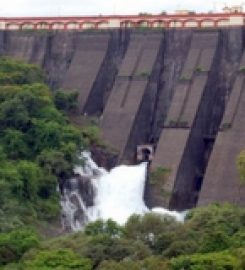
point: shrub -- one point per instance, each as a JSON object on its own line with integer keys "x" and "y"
{"x": 15, "y": 243}
{"x": 61, "y": 259}
{"x": 66, "y": 101}
{"x": 158, "y": 174}
{"x": 145, "y": 73}
{"x": 241, "y": 165}
{"x": 217, "y": 261}
{"x": 109, "y": 227}
{"x": 242, "y": 69}
{"x": 185, "y": 78}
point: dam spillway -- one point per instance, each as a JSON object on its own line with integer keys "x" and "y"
{"x": 181, "y": 91}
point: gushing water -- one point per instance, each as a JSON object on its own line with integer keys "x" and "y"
{"x": 116, "y": 195}
{"x": 120, "y": 193}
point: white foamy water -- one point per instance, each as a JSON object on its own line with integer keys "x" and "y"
{"x": 118, "y": 195}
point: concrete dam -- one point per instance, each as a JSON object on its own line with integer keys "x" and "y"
{"x": 181, "y": 92}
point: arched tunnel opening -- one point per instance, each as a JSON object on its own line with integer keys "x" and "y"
{"x": 144, "y": 153}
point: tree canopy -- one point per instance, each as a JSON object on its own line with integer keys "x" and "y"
{"x": 38, "y": 145}
{"x": 211, "y": 238}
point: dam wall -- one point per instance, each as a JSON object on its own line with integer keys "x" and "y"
{"x": 85, "y": 66}
{"x": 179, "y": 91}
{"x": 222, "y": 169}
{"x": 182, "y": 123}
{"x": 82, "y": 62}
{"x": 193, "y": 119}
{"x": 25, "y": 46}
{"x": 130, "y": 88}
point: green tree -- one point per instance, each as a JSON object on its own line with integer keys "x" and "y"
{"x": 61, "y": 259}
{"x": 54, "y": 162}
{"x": 30, "y": 175}
{"x": 149, "y": 227}
{"x": 14, "y": 144}
{"x": 103, "y": 247}
{"x": 13, "y": 114}
{"x": 109, "y": 227}
{"x": 150, "y": 263}
{"x": 66, "y": 101}
{"x": 217, "y": 261}
{"x": 18, "y": 72}
{"x": 15, "y": 243}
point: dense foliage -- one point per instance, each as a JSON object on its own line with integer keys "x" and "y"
{"x": 38, "y": 146}
{"x": 212, "y": 238}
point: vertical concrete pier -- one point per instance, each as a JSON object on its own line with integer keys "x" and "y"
{"x": 129, "y": 89}
{"x": 85, "y": 66}
{"x": 181, "y": 141}
{"x": 221, "y": 182}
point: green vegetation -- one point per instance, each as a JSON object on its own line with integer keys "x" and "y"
{"x": 145, "y": 74}
{"x": 158, "y": 174}
{"x": 66, "y": 101}
{"x": 221, "y": 260}
{"x": 199, "y": 69}
{"x": 241, "y": 166}
{"x": 185, "y": 78}
{"x": 157, "y": 178}
{"x": 15, "y": 243}
{"x": 60, "y": 259}
{"x": 226, "y": 126}
{"x": 38, "y": 145}
{"x": 211, "y": 238}
{"x": 242, "y": 69}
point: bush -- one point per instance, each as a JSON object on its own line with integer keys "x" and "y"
{"x": 61, "y": 259}
{"x": 66, "y": 101}
{"x": 188, "y": 245}
{"x": 217, "y": 261}
{"x": 103, "y": 247}
{"x": 149, "y": 228}
{"x": 17, "y": 72}
{"x": 91, "y": 135}
{"x": 109, "y": 227}
{"x": 151, "y": 263}
{"x": 15, "y": 243}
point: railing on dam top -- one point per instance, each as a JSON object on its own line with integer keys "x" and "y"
{"x": 108, "y": 22}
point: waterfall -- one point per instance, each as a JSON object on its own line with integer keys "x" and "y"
{"x": 98, "y": 194}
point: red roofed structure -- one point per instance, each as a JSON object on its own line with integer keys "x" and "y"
{"x": 183, "y": 19}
